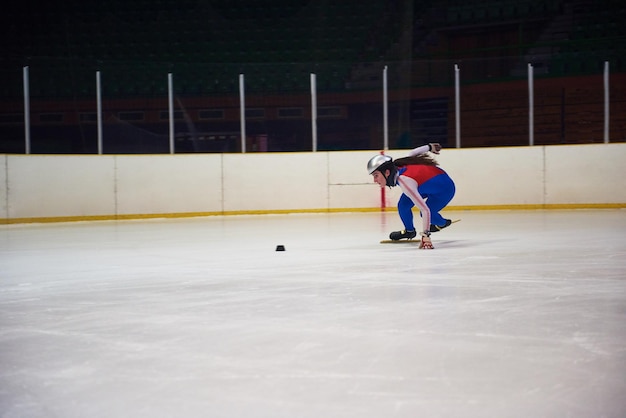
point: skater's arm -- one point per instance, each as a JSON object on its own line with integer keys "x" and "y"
{"x": 432, "y": 147}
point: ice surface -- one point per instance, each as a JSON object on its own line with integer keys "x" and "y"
{"x": 514, "y": 314}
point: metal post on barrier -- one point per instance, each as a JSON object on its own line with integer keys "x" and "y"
{"x": 170, "y": 102}
{"x": 99, "y": 111}
{"x": 242, "y": 112}
{"x": 313, "y": 112}
{"x": 26, "y": 110}
{"x": 531, "y": 107}
{"x": 606, "y": 102}
{"x": 385, "y": 111}
{"x": 457, "y": 105}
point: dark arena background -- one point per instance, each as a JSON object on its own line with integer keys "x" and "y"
{"x": 140, "y": 64}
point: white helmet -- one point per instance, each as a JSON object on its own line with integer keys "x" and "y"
{"x": 378, "y": 161}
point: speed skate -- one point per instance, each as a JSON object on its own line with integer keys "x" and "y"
{"x": 408, "y": 241}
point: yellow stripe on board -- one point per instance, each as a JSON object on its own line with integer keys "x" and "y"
{"x": 561, "y": 206}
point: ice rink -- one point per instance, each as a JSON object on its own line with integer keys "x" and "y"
{"x": 513, "y": 314}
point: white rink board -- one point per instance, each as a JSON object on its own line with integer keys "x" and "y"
{"x": 154, "y": 184}
{"x": 55, "y": 186}
{"x": 38, "y": 186}
{"x": 349, "y": 167}
{"x": 586, "y": 174}
{"x": 283, "y": 181}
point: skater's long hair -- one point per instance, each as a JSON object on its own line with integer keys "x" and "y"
{"x": 422, "y": 159}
